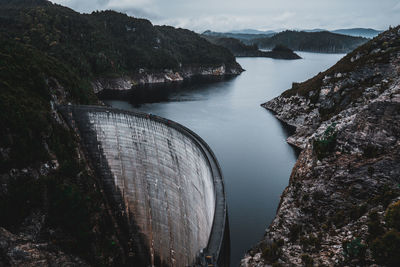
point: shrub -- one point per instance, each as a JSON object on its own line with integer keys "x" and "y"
{"x": 386, "y": 196}
{"x": 311, "y": 241}
{"x": 371, "y": 170}
{"x": 392, "y": 216}
{"x": 68, "y": 208}
{"x": 24, "y": 194}
{"x": 357, "y": 211}
{"x": 339, "y": 218}
{"x": 318, "y": 195}
{"x": 326, "y": 144}
{"x": 307, "y": 260}
{"x": 271, "y": 253}
{"x": 386, "y": 249}
{"x": 354, "y": 249}
{"x": 295, "y": 231}
{"x": 375, "y": 228}
{"x": 371, "y": 151}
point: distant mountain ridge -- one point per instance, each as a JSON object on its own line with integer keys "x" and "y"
{"x": 359, "y": 32}
{"x": 248, "y": 34}
{"x": 356, "y": 32}
{"x": 309, "y": 41}
{"x": 252, "y": 31}
{"x": 239, "y": 49}
{"x": 320, "y": 42}
{"x": 244, "y": 37}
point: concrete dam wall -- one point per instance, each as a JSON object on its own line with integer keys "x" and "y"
{"x": 164, "y": 182}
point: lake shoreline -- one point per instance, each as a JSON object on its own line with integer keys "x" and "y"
{"x": 168, "y": 76}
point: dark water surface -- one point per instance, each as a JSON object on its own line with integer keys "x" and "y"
{"x": 248, "y": 141}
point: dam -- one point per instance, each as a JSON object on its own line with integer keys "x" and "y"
{"x": 163, "y": 181}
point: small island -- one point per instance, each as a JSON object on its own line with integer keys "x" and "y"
{"x": 239, "y": 49}
{"x": 281, "y": 52}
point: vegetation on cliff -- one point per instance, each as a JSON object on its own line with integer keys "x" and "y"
{"x": 379, "y": 51}
{"x": 342, "y": 203}
{"x": 48, "y": 195}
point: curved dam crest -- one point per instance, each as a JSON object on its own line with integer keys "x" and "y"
{"x": 164, "y": 182}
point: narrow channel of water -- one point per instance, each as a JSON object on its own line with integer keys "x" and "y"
{"x": 248, "y": 141}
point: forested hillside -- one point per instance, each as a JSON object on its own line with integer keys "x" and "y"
{"x": 105, "y": 42}
{"x": 240, "y": 49}
{"x": 322, "y": 42}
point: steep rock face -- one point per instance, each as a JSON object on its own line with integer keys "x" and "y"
{"x": 167, "y": 76}
{"x": 23, "y": 250}
{"x": 337, "y": 209}
{"x": 53, "y": 208}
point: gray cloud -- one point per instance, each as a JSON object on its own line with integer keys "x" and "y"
{"x": 140, "y": 13}
{"x": 225, "y": 15}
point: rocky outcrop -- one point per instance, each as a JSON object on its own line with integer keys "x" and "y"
{"x": 26, "y": 250}
{"x": 144, "y": 77}
{"x": 344, "y": 189}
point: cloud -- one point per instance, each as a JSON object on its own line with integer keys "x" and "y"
{"x": 118, "y": 4}
{"x": 225, "y": 15}
{"x": 139, "y": 13}
{"x": 284, "y": 16}
{"x": 83, "y": 6}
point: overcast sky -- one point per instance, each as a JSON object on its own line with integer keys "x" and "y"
{"x": 226, "y": 15}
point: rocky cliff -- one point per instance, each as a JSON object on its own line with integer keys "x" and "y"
{"x": 342, "y": 204}
{"x": 146, "y": 77}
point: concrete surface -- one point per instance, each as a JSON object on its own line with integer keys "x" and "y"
{"x": 163, "y": 178}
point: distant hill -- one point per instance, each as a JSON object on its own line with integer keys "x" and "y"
{"x": 240, "y": 49}
{"x": 252, "y": 31}
{"x": 321, "y": 42}
{"x": 314, "y": 30}
{"x": 244, "y": 37}
{"x": 251, "y": 36}
{"x": 358, "y": 32}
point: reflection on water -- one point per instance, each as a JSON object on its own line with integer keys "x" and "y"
{"x": 190, "y": 90}
{"x": 249, "y": 142}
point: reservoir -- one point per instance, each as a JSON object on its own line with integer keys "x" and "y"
{"x": 249, "y": 142}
